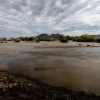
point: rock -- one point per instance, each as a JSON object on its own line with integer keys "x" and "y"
{"x": 17, "y": 87}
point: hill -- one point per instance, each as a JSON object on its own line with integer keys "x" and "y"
{"x": 49, "y": 36}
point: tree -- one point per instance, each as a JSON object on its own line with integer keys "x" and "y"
{"x": 86, "y": 38}
{"x": 4, "y": 39}
{"x": 31, "y": 39}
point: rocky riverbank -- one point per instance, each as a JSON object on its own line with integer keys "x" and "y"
{"x": 18, "y": 87}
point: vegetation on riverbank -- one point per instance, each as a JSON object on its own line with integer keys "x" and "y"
{"x": 55, "y": 37}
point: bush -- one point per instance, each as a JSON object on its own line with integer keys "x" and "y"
{"x": 86, "y": 39}
{"x": 1, "y": 40}
{"x": 98, "y": 40}
{"x": 17, "y": 40}
{"x": 63, "y": 40}
{"x": 37, "y": 40}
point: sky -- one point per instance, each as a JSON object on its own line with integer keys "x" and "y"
{"x": 33, "y": 17}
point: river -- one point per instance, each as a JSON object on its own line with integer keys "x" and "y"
{"x": 77, "y": 69}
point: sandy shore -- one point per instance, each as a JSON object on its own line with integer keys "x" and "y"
{"x": 18, "y": 87}
{"x": 63, "y": 46}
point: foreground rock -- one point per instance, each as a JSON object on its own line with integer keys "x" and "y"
{"x": 17, "y": 87}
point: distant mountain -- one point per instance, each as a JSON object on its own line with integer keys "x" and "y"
{"x": 49, "y": 36}
{"x": 43, "y": 35}
{"x": 55, "y": 35}
{"x": 98, "y": 35}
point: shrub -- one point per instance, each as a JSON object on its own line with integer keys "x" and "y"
{"x": 63, "y": 40}
{"x": 17, "y": 40}
{"x": 98, "y": 40}
{"x": 37, "y": 40}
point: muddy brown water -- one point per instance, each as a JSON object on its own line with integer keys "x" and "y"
{"x": 76, "y": 69}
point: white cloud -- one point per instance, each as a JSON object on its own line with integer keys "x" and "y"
{"x": 31, "y": 17}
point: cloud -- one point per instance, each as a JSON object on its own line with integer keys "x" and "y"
{"x": 31, "y": 17}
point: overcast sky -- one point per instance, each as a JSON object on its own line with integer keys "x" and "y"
{"x": 32, "y": 17}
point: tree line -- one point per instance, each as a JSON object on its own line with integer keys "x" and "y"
{"x": 55, "y": 37}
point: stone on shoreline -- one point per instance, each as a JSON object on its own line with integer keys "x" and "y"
{"x": 18, "y": 87}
